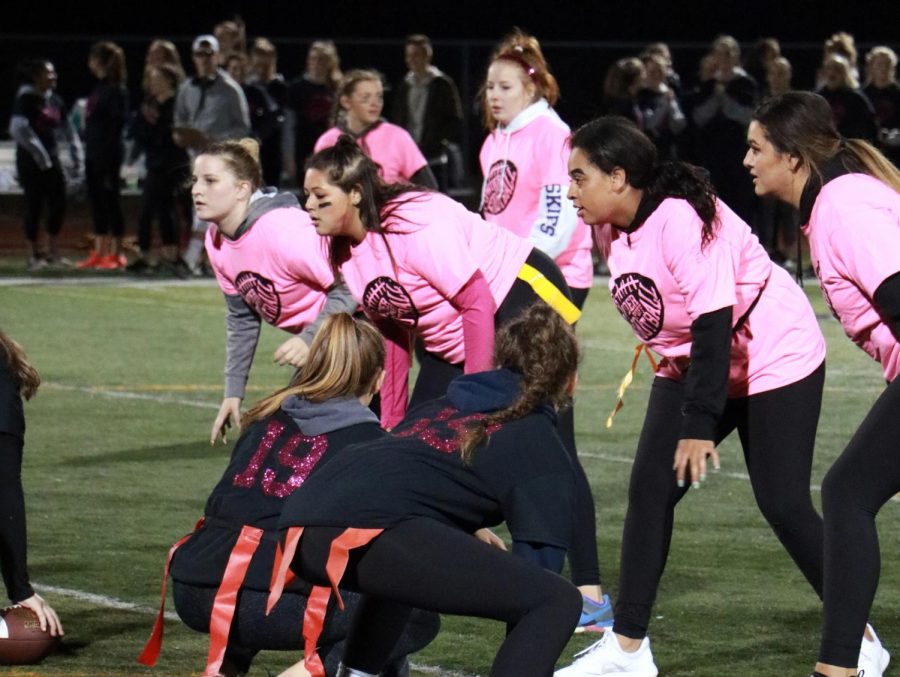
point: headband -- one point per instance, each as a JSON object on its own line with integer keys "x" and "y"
{"x": 515, "y": 55}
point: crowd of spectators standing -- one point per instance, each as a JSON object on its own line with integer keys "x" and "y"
{"x": 233, "y": 88}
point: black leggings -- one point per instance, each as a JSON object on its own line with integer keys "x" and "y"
{"x": 435, "y": 375}
{"x": 777, "y": 431}
{"x": 425, "y": 564}
{"x": 102, "y": 178}
{"x": 158, "y": 202}
{"x": 862, "y": 480}
{"x": 42, "y": 187}
{"x": 253, "y": 631}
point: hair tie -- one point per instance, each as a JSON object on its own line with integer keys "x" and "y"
{"x": 517, "y": 56}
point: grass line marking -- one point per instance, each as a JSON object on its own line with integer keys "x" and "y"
{"x": 120, "y": 604}
{"x": 102, "y": 600}
{"x": 127, "y": 395}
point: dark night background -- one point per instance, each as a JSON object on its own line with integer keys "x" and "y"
{"x": 580, "y": 38}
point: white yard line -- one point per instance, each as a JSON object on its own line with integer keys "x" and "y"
{"x": 113, "y": 603}
{"x": 102, "y": 600}
{"x": 126, "y": 395}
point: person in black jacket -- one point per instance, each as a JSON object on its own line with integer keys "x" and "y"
{"x": 167, "y": 168}
{"x": 853, "y": 114}
{"x": 286, "y": 437}
{"x": 38, "y": 117}
{"x": 427, "y": 105}
{"x": 18, "y": 379}
{"x": 107, "y": 109}
{"x": 487, "y": 452}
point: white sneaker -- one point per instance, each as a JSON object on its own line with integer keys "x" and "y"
{"x": 873, "y": 657}
{"x": 606, "y": 657}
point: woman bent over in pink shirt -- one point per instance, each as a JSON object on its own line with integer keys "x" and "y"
{"x": 847, "y": 194}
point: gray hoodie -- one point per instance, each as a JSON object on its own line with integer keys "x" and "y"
{"x": 242, "y": 323}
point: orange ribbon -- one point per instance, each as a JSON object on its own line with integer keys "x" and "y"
{"x": 629, "y": 377}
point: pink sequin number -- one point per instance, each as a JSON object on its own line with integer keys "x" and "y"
{"x": 299, "y": 453}
{"x": 438, "y": 439}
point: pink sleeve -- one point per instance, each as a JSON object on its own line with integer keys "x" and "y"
{"x": 704, "y": 274}
{"x": 395, "y": 389}
{"x": 214, "y": 254}
{"x": 476, "y": 305}
{"x": 868, "y": 248}
{"x": 304, "y": 254}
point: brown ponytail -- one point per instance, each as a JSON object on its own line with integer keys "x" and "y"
{"x": 25, "y": 376}
{"x": 541, "y": 346}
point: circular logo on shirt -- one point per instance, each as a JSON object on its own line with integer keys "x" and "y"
{"x": 385, "y": 297}
{"x": 260, "y": 294}
{"x": 639, "y": 301}
{"x": 500, "y": 186}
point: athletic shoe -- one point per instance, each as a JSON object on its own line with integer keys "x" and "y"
{"x": 595, "y": 616}
{"x": 111, "y": 262}
{"x": 607, "y": 658}
{"x": 91, "y": 261}
{"x": 35, "y": 263}
{"x": 59, "y": 262}
{"x": 873, "y": 657}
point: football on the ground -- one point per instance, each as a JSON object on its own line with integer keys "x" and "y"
{"x": 21, "y": 639}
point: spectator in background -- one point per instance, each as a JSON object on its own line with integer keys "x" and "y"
{"x": 853, "y": 113}
{"x": 167, "y": 170}
{"x": 427, "y": 105}
{"x": 232, "y": 37}
{"x": 620, "y": 88}
{"x": 39, "y": 116}
{"x": 209, "y": 107}
{"x": 268, "y": 121}
{"x": 721, "y": 113}
{"x": 162, "y": 52}
{"x": 658, "y": 104}
{"x": 661, "y": 49}
{"x": 105, "y": 116}
{"x": 759, "y": 61}
{"x": 360, "y": 100}
{"x": 310, "y": 100}
{"x": 884, "y": 94}
{"x": 778, "y": 76}
{"x": 843, "y": 45}
{"x": 690, "y": 143}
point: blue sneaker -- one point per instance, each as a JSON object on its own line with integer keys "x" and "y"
{"x": 595, "y": 616}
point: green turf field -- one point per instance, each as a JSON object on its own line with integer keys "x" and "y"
{"x": 118, "y": 466}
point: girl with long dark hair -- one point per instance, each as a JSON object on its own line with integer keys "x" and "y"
{"x": 739, "y": 344}
{"x": 847, "y": 195}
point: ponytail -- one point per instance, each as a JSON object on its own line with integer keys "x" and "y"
{"x": 345, "y": 359}
{"x": 541, "y": 347}
{"x": 692, "y": 184}
{"x": 26, "y": 377}
{"x": 614, "y": 141}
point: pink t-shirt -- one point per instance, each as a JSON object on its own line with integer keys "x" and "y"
{"x": 279, "y": 267}
{"x": 436, "y": 245}
{"x": 854, "y": 241}
{"x": 389, "y": 146}
{"x": 661, "y": 280}
{"x": 517, "y": 165}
